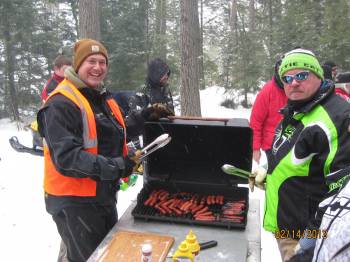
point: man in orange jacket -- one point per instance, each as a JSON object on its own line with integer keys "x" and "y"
{"x": 84, "y": 151}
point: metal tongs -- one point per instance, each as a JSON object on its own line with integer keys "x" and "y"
{"x": 157, "y": 143}
{"x": 235, "y": 171}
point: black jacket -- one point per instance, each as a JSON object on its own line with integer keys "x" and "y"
{"x": 311, "y": 142}
{"x": 153, "y": 92}
{"x": 60, "y": 123}
{"x": 122, "y": 98}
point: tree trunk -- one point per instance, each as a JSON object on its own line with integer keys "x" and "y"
{"x": 190, "y": 99}
{"x": 232, "y": 43}
{"x": 233, "y": 16}
{"x": 10, "y": 64}
{"x": 89, "y": 19}
{"x": 200, "y": 53}
{"x": 251, "y": 16}
{"x": 147, "y": 30}
{"x": 271, "y": 29}
{"x": 73, "y": 6}
{"x": 161, "y": 28}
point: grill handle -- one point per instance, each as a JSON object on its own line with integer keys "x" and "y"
{"x": 209, "y": 244}
{"x": 199, "y": 118}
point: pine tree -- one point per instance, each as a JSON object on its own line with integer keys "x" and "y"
{"x": 124, "y": 32}
{"x": 335, "y": 43}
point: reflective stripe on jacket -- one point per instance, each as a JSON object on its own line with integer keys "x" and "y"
{"x": 54, "y": 182}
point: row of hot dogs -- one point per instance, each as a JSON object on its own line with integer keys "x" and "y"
{"x": 195, "y": 206}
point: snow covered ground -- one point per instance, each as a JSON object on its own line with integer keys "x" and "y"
{"x": 27, "y": 232}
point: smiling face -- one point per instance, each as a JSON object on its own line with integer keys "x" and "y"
{"x": 301, "y": 90}
{"x": 93, "y": 70}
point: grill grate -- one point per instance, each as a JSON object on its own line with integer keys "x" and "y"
{"x": 161, "y": 204}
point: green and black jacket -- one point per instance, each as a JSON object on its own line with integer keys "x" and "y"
{"x": 311, "y": 141}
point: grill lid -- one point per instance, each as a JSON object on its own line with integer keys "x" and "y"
{"x": 197, "y": 151}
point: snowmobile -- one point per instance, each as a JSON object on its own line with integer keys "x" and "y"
{"x": 37, "y": 148}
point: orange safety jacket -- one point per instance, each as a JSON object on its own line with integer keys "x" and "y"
{"x": 54, "y": 182}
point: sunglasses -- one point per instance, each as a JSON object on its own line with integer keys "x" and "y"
{"x": 301, "y": 76}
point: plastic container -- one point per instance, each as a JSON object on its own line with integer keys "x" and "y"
{"x": 146, "y": 250}
{"x": 192, "y": 243}
{"x": 183, "y": 253}
{"x": 127, "y": 182}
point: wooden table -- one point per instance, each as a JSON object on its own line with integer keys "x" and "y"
{"x": 233, "y": 245}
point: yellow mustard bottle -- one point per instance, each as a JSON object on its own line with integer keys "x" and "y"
{"x": 192, "y": 243}
{"x": 183, "y": 253}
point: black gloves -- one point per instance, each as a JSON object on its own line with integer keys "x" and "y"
{"x": 109, "y": 168}
{"x": 129, "y": 165}
{"x": 156, "y": 111}
{"x": 132, "y": 163}
{"x": 115, "y": 168}
{"x": 146, "y": 112}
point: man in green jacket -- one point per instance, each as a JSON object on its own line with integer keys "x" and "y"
{"x": 310, "y": 142}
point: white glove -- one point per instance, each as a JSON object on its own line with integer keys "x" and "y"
{"x": 258, "y": 179}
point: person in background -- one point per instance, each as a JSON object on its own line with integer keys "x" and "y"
{"x": 334, "y": 68}
{"x": 85, "y": 152}
{"x": 342, "y": 86}
{"x": 265, "y": 114}
{"x": 327, "y": 237}
{"x": 327, "y": 72}
{"x": 60, "y": 64}
{"x": 153, "y": 101}
{"x": 311, "y": 142}
{"x": 334, "y": 245}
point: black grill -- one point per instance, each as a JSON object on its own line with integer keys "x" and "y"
{"x": 191, "y": 165}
